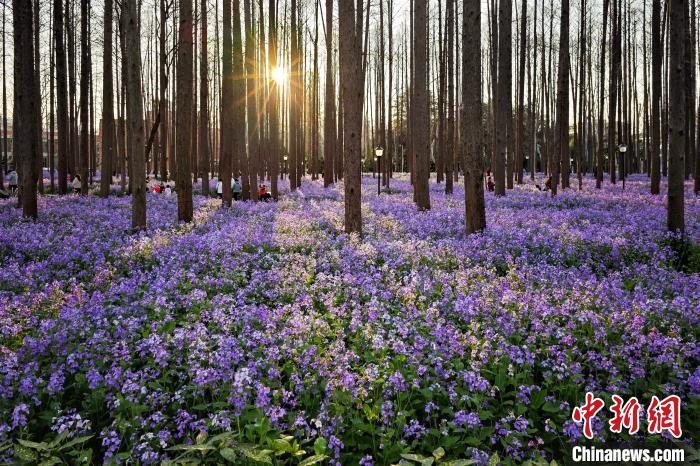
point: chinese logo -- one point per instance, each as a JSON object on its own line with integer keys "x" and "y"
{"x": 662, "y": 415}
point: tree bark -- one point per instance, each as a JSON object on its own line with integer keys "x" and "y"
{"x": 561, "y": 158}
{"x": 107, "y": 103}
{"x": 204, "y": 104}
{"x": 656, "y": 65}
{"x": 227, "y": 105}
{"x": 25, "y": 104}
{"x": 676, "y": 118}
{"x": 329, "y": 124}
{"x": 504, "y": 107}
{"x": 421, "y": 106}
{"x": 352, "y": 84}
{"x": 471, "y": 119}
{"x": 184, "y": 113}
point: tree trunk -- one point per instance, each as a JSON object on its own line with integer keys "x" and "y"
{"x": 561, "y": 157}
{"x": 450, "y": 114}
{"x": 504, "y": 108}
{"x": 204, "y": 105}
{"x": 107, "y": 104}
{"x": 421, "y": 106}
{"x": 25, "y": 104}
{"x": 227, "y": 108}
{"x": 520, "y": 137}
{"x": 184, "y": 113}
{"x": 329, "y": 124}
{"x": 272, "y": 104}
{"x": 162, "y": 100}
{"x": 134, "y": 113}
{"x": 471, "y": 119}
{"x": 656, "y": 65}
{"x": 676, "y": 118}
{"x": 238, "y": 136}
{"x": 84, "y": 95}
{"x": 61, "y": 98}
{"x": 352, "y": 84}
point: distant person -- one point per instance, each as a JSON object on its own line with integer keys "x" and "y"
{"x": 237, "y": 189}
{"x": 219, "y": 189}
{"x": 548, "y": 183}
{"x": 76, "y": 184}
{"x": 12, "y": 181}
{"x": 490, "y": 185}
{"x": 263, "y": 195}
{"x": 168, "y": 190}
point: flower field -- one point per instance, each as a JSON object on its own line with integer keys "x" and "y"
{"x": 265, "y": 335}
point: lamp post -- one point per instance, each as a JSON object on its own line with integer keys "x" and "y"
{"x": 623, "y": 169}
{"x": 379, "y": 151}
{"x": 284, "y": 169}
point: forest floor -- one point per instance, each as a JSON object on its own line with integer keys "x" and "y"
{"x": 264, "y": 334}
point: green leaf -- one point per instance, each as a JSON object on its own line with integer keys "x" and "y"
{"x": 257, "y": 456}
{"x": 320, "y": 446}
{"x": 201, "y": 438}
{"x": 313, "y": 460}
{"x": 413, "y": 457}
{"x": 25, "y": 453}
{"x": 281, "y": 445}
{"x": 33, "y": 445}
{"x": 228, "y": 454}
{"x": 495, "y": 460}
{"x": 438, "y": 453}
{"x": 76, "y": 441}
{"x": 458, "y": 463}
{"x": 51, "y": 461}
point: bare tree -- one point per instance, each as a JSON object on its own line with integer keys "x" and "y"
{"x": 329, "y": 123}
{"x": 272, "y": 104}
{"x": 84, "y": 95}
{"x": 561, "y": 158}
{"x": 184, "y": 113}
{"x": 421, "y": 106}
{"x": 504, "y": 109}
{"x": 227, "y": 105}
{"x": 676, "y": 118}
{"x": 107, "y": 103}
{"x": 656, "y": 65}
{"x": 61, "y": 98}
{"x": 471, "y": 120}
{"x": 351, "y": 67}
{"x": 204, "y": 105}
{"x": 25, "y": 104}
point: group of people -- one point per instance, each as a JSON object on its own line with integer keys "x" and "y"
{"x": 237, "y": 190}
{"x": 491, "y": 186}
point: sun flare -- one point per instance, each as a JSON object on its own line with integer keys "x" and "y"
{"x": 280, "y": 75}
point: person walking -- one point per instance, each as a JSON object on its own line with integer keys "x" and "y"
{"x": 237, "y": 189}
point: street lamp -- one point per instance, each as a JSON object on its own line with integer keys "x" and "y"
{"x": 623, "y": 148}
{"x": 284, "y": 171}
{"x": 379, "y": 151}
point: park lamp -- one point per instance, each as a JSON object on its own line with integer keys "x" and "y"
{"x": 285, "y": 158}
{"x": 622, "y": 148}
{"x": 379, "y": 151}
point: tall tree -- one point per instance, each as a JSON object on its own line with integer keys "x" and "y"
{"x": 227, "y": 105}
{"x": 421, "y": 106}
{"x": 249, "y": 160}
{"x": 350, "y": 40}
{"x": 656, "y": 65}
{"x": 238, "y": 94}
{"x": 601, "y": 85}
{"x": 561, "y": 158}
{"x": 61, "y": 97}
{"x": 503, "y": 98}
{"x": 329, "y": 120}
{"x": 676, "y": 115}
{"x": 184, "y": 113}
{"x": 84, "y": 96}
{"x": 272, "y": 103}
{"x": 25, "y": 104}
{"x": 520, "y": 136}
{"x": 162, "y": 99}
{"x": 134, "y": 113}
{"x": 450, "y": 114}
{"x": 107, "y": 103}
{"x": 204, "y": 104}
{"x": 471, "y": 118}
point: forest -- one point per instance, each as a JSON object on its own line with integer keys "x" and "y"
{"x": 374, "y": 232}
